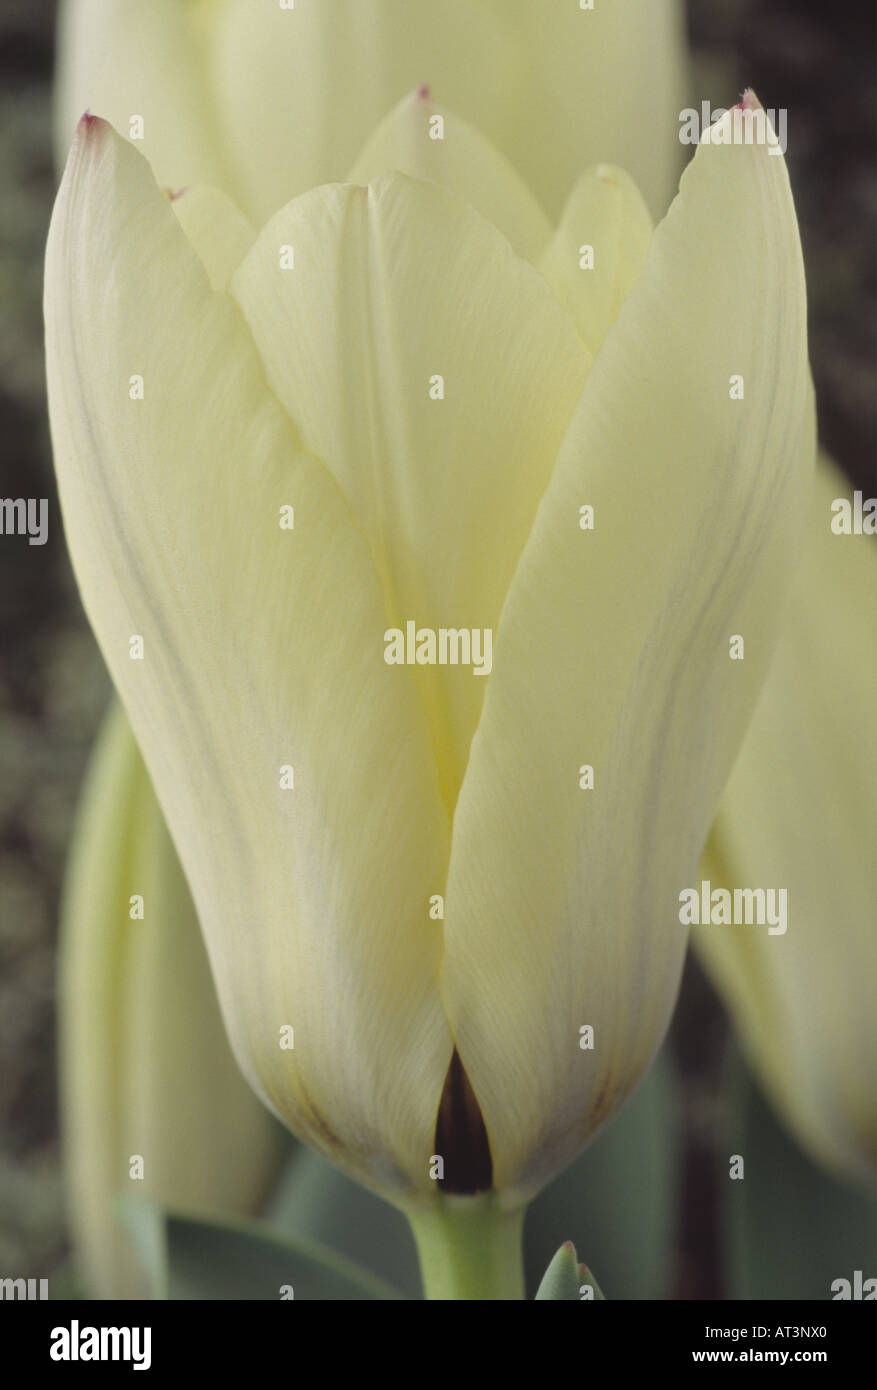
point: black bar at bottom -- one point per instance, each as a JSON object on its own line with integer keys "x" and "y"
{"x": 266, "y": 1339}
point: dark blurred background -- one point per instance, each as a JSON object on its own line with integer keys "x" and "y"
{"x": 816, "y": 60}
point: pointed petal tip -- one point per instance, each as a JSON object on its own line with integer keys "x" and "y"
{"x": 424, "y": 92}
{"x": 90, "y": 134}
{"x": 89, "y": 126}
{"x": 748, "y": 102}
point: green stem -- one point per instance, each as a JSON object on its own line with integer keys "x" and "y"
{"x": 470, "y": 1248}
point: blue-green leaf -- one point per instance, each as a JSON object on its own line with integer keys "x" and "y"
{"x": 235, "y": 1258}
{"x": 315, "y": 1201}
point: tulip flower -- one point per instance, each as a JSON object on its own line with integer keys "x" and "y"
{"x": 153, "y": 1102}
{"x": 440, "y": 910}
{"x": 799, "y": 811}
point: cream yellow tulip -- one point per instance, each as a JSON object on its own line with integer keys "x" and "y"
{"x": 276, "y": 448}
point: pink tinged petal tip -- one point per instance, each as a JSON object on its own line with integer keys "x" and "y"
{"x": 748, "y": 102}
{"x": 423, "y": 91}
{"x": 91, "y": 127}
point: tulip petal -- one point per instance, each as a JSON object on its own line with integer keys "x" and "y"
{"x": 803, "y": 999}
{"x": 458, "y": 157}
{"x": 613, "y": 651}
{"x": 216, "y": 229}
{"x": 597, "y": 253}
{"x": 261, "y": 653}
{"x": 395, "y": 288}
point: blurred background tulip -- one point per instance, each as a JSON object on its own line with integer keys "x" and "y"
{"x": 266, "y": 103}
{"x": 800, "y": 811}
{"x": 154, "y": 1105}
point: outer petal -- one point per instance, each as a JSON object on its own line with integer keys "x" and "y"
{"x": 613, "y": 651}
{"x": 800, "y": 813}
{"x": 607, "y": 217}
{"x": 287, "y": 94}
{"x": 458, "y": 157}
{"x": 393, "y": 287}
{"x": 145, "y": 1063}
{"x": 259, "y": 653}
